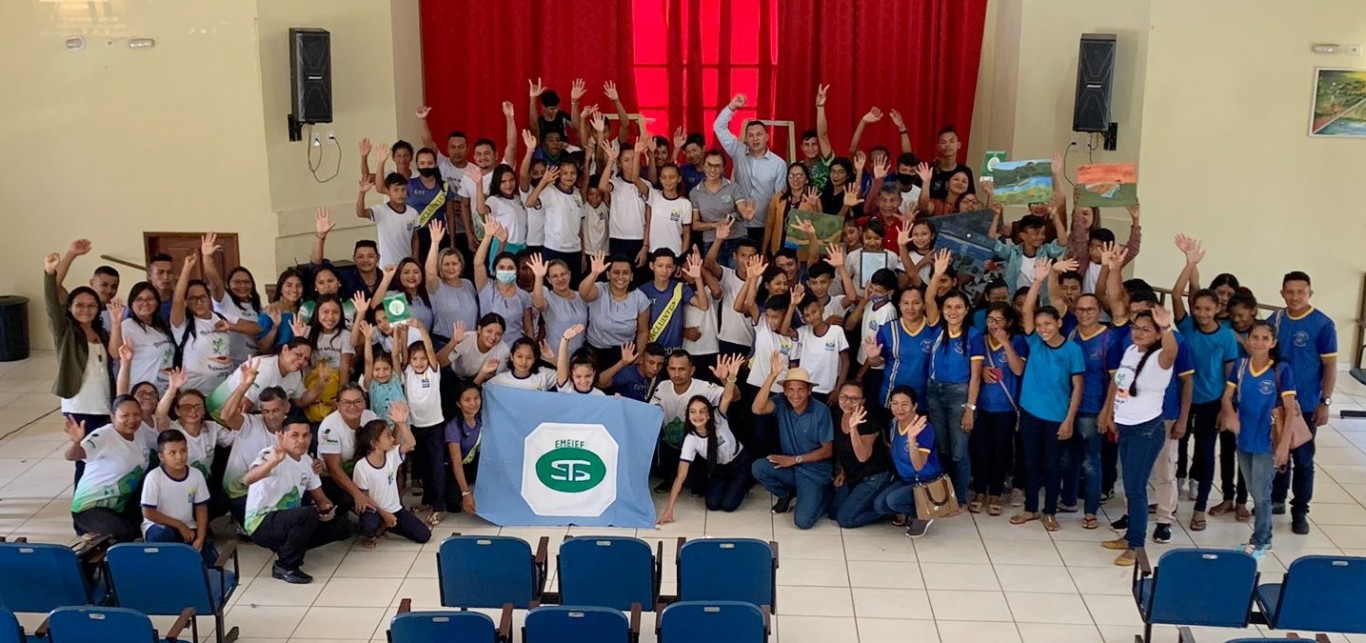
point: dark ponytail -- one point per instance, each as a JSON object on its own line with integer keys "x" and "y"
{"x": 1147, "y": 352}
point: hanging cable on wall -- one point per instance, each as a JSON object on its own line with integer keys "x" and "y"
{"x": 313, "y": 167}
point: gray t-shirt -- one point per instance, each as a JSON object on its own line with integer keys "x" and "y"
{"x": 560, "y": 314}
{"x": 612, "y": 323}
{"x": 468, "y": 359}
{"x": 714, "y": 207}
{"x": 491, "y": 300}
{"x": 451, "y": 304}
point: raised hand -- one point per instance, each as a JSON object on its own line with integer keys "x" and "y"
{"x": 437, "y": 229}
{"x": 609, "y": 89}
{"x": 1133, "y": 212}
{"x": 508, "y": 110}
{"x": 821, "y": 94}
{"x": 125, "y": 352}
{"x": 423, "y": 111}
{"x": 177, "y": 379}
{"x": 365, "y": 329}
{"x": 882, "y": 169}
{"x": 942, "y": 257}
{"x": 458, "y": 332}
{"x": 551, "y": 173}
{"x": 925, "y": 173}
{"x": 747, "y": 208}
{"x": 1064, "y": 265}
{"x": 398, "y": 412}
{"x": 693, "y": 269}
{"x": 680, "y": 137}
{"x": 834, "y": 255}
{"x": 322, "y": 222}
{"x": 79, "y": 248}
{"x": 537, "y": 265}
{"x": 1162, "y": 317}
{"x": 858, "y": 416}
{"x": 806, "y": 227}
{"x": 599, "y": 263}
{"x": 798, "y": 293}
{"x": 360, "y": 303}
{"x": 860, "y": 160}
{"x": 897, "y": 120}
{"x": 528, "y": 139}
{"x": 577, "y": 89}
{"x": 366, "y": 184}
{"x": 724, "y": 227}
{"x": 250, "y": 369}
{"x": 599, "y": 124}
{"x": 298, "y": 327}
{"x": 190, "y": 262}
{"x": 492, "y": 227}
{"x": 1041, "y": 269}
{"x": 628, "y": 352}
{"x": 903, "y": 236}
{"x": 572, "y": 331}
{"x": 381, "y": 154}
{"x": 274, "y": 313}
{"x": 851, "y": 198}
{"x": 737, "y": 102}
{"x": 777, "y": 363}
{"x": 535, "y": 87}
{"x": 756, "y": 266}
{"x": 75, "y": 431}
{"x": 612, "y": 150}
{"x": 365, "y": 148}
{"x": 874, "y": 115}
{"x": 116, "y": 310}
{"x": 871, "y": 347}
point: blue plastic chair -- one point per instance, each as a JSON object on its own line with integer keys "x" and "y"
{"x": 1204, "y": 587}
{"x": 610, "y": 571}
{"x": 10, "y": 629}
{"x": 1184, "y": 635}
{"x": 729, "y": 569}
{"x": 1318, "y": 594}
{"x": 447, "y": 626}
{"x": 109, "y": 625}
{"x": 712, "y": 621}
{"x": 162, "y": 579}
{"x": 567, "y": 624}
{"x": 491, "y": 571}
{"x": 62, "y": 584}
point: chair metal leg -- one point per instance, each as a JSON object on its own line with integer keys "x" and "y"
{"x": 222, "y": 637}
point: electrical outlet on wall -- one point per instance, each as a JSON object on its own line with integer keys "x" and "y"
{"x": 317, "y": 142}
{"x": 331, "y": 136}
{"x": 1353, "y": 50}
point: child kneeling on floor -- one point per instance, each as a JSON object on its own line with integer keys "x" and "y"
{"x": 380, "y": 451}
{"x": 175, "y": 499}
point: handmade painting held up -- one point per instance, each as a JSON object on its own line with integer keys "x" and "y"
{"x": 1339, "y": 103}
{"x": 1022, "y": 182}
{"x": 1106, "y": 184}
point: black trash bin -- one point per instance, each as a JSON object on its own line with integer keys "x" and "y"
{"x": 13, "y": 328}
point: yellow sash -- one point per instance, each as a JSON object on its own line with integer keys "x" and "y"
{"x": 667, "y": 315}
{"x": 435, "y": 206}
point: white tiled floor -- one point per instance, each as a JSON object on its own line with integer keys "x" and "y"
{"x": 972, "y": 578}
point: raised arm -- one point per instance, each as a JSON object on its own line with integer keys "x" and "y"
{"x": 208, "y": 247}
{"x": 562, "y": 372}
{"x": 510, "y": 135}
{"x": 363, "y": 212}
{"x": 609, "y": 89}
{"x": 427, "y": 140}
{"x": 429, "y": 266}
{"x": 693, "y": 271}
{"x": 538, "y": 270}
{"x": 902, "y": 132}
{"x": 1194, "y": 254}
{"x": 822, "y": 128}
{"x": 481, "y": 256}
{"x": 588, "y": 288}
{"x": 941, "y": 267}
{"x": 524, "y": 170}
{"x": 1042, "y": 267}
{"x": 533, "y": 200}
{"x": 776, "y": 365}
{"x": 1163, "y": 319}
{"x": 628, "y": 357}
{"x": 78, "y": 248}
{"x": 1114, "y": 262}
{"x": 1055, "y": 297}
{"x": 535, "y": 89}
{"x": 1135, "y": 232}
{"x": 162, "y": 419}
{"x": 181, "y": 285}
{"x": 231, "y": 413}
{"x": 721, "y": 128}
{"x": 923, "y": 203}
{"x": 874, "y": 115}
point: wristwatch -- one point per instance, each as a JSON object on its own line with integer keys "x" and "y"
{"x": 1326, "y": 401}
{"x": 800, "y": 459}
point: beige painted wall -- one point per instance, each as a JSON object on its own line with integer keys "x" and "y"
{"x": 1226, "y": 156}
{"x": 188, "y": 135}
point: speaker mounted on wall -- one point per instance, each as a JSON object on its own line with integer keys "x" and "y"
{"x": 1095, "y": 84}
{"x": 310, "y": 79}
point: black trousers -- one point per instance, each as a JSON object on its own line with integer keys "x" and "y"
{"x": 989, "y": 444}
{"x": 409, "y": 525}
{"x": 290, "y": 533}
{"x": 124, "y": 527}
{"x": 430, "y": 452}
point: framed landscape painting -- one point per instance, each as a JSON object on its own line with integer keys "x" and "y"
{"x": 1339, "y": 103}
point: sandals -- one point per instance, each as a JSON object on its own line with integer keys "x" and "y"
{"x": 1242, "y": 514}
{"x": 369, "y": 543}
{"x": 994, "y": 506}
{"x": 1090, "y": 522}
{"x": 899, "y": 520}
{"x": 1023, "y": 517}
{"x": 1197, "y": 524}
{"x": 1050, "y": 522}
{"x": 434, "y": 520}
{"x": 975, "y": 506}
{"x": 1221, "y": 508}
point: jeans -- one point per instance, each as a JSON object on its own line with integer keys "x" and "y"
{"x": 1259, "y": 470}
{"x": 1042, "y": 454}
{"x": 991, "y": 453}
{"x": 1109, "y": 463}
{"x": 290, "y": 533}
{"x": 898, "y": 497}
{"x": 1204, "y": 419}
{"x": 409, "y": 525}
{"x": 1081, "y": 464}
{"x": 946, "y": 416}
{"x": 1139, "y": 446}
{"x": 854, "y": 505}
{"x": 812, "y": 488}
{"x": 728, "y": 485}
{"x": 1232, "y": 482}
{"x": 164, "y": 534}
{"x": 1301, "y": 470}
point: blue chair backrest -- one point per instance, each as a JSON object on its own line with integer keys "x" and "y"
{"x": 607, "y": 571}
{"x": 100, "y": 625}
{"x": 726, "y": 569}
{"x": 10, "y": 630}
{"x": 160, "y": 578}
{"x": 711, "y": 621}
{"x": 62, "y": 583}
{"x": 566, "y": 624}
{"x": 1324, "y": 594}
{"x": 485, "y": 571}
{"x": 1210, "y": 588}
{"x": 438, "y": 627}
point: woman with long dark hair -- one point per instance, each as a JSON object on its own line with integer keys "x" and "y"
{"x": 955, "y": 378}
{"x": 798, "y": 194}
{"x": 1001, "y": 353}
{"x": 201, "y": 334}
{"x": 723, "y": 475}
{"x": 148, "y": 335}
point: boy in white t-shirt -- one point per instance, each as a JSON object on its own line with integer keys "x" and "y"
{"x": 594, "y": 215}
{"x": 175, "y": 499}
{"x": 822, "y": 349}
{"x": 668, "y": 223}
{"x": 394, "y": 219}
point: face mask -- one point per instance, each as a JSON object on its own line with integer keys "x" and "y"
{"x": 878, "y": 301}
{"x": 428, "y": 172}
{"x": 905, "y": 179}
{"x": 506, "y": 276}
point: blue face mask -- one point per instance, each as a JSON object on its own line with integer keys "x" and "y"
{"x": 878, "y": 301}
{"x": 506, "y": 276}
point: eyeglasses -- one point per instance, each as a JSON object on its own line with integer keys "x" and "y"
{"x": 190, "y": 407}
{"x": 351, "y": 402}
{"x": 714, "y": 166}
{"x": 196, "y": 299}
{"x": 851, "y": 398}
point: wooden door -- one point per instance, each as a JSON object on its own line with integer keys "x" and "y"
{"x": 183, "y": 244}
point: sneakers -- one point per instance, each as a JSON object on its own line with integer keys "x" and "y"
{"x": 292, "y": 576}
{"x": 1017, "y": 498}
{"x": 782, "y": 505}
{"x": 1257, "y": 551}
{"x": 1194, "y": 491}
{"x": 1067, "y": 509}
{"x": 1106, "y": 496}
{"x": 1299, "y": 525}
{"x": 1122, "y": 524}
{"x": 1278, "y": 508}
{"x": 917, "y": 528}
{"x": 1162, "y": 533}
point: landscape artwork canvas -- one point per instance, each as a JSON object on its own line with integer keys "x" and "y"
{"x": 1339, "y": 103}
{"x": 1107, "y": 184}
{"x": 1024, "y": 182}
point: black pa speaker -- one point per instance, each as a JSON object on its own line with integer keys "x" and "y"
{"x": 310, "y": 75}
{"x": 1095, "y": 80}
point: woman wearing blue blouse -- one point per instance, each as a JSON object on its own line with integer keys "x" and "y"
{"x": 1001, "y": 354}
{"x": 1049, "y": 397}
{"x": 916, "y": 459}
{"x": 954, "y": 380}
{"x": 1256, "y": 387}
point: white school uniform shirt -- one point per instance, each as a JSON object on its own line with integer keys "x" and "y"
{"x": 424, "y": 396}
{"x": 667, "y": 218}
{"x": 394, "y": 232}
{"x": 282, "y": 489}
{"x": 201, "y": 447}
{"x": 267, "y": 376}
{"x": 872, "y": 321}
{"x": 820, "y": 356}
{"x": 207, "y": 359}
{"x": 511, "y": 214}
{"x": 332, "y": 346}
{"x": 153, "y": 353}
{"x": 174, "y": 498}
{"x": 627, "y": 211}
{"x": 836, "y": 307}
{"x": 736, "y": 327}
{"x": 569, "y": 389}
{"x": 380, "y": 482}
{"x": 594, "y": 227}
{"x": 563, "y": 215}
{"x": 535, "y": 220}
{"x": 466, "y": 360}
{"x": 113, "y": 469}
{"x": 240, "y": 346}
{"x": 908, "y": 200}
{"x": 705, "y": 323}
{"x": 727, "y": 447}
{"x": 675, "y": 406}
{"x": 93, "y": 397}
{"x": 543, "y": 379}
{"x": 1026, "y": 276}
{"x": 336, "y": 438}
{"x": 1091, "y": 278}
{"x": 765, "y": 342}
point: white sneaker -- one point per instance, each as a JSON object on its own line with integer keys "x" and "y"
{"x": 1194, "y": 491}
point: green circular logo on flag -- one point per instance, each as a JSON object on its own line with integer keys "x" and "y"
{"x": 570, "y": 470}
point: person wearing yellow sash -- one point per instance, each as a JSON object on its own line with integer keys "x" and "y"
{"x": 668, "y": 295}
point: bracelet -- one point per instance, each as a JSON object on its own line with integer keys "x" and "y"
{"x": 902, "y": 131}
{"x": 466, "y": 493}
{"x": 731, "y": 380}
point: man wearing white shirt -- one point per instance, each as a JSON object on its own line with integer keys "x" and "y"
{"x": 760, "y": 173}
{"x": 486, "y": 158}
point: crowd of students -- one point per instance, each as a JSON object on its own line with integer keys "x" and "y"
{"x": 841, "y": 375}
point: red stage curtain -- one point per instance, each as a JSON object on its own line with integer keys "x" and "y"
{"x": 476, "y": 55}
{"x": 917, "y": 56}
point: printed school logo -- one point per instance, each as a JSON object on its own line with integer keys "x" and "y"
{"x": 569, "y": 469}
{"x": 927, "y": 346}
{"x": 1266, "y": 387}
{"x": 1300, "y": 339}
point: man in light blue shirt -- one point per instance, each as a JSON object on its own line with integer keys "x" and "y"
{"x": 759, "y": 172}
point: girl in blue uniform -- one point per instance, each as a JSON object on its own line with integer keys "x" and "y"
{"x": 999, "y": 357}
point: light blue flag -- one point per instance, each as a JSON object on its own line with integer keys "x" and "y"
{"x": 557, "y": 459}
